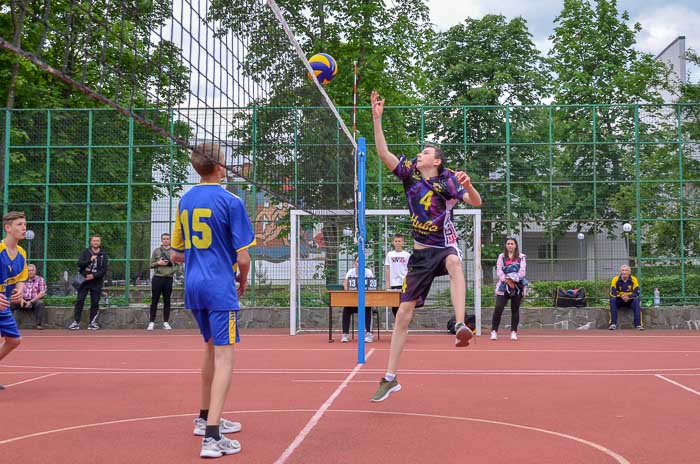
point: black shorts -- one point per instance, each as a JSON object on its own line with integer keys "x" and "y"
{"x": 423, "y": 266}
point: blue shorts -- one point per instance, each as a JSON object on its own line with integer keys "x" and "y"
{"x": 8, "y": 325}
{"x": 222, "y": 325}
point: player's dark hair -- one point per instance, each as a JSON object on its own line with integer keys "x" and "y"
{"x": 516, "y": 252}
{"x": 163, "y": 235}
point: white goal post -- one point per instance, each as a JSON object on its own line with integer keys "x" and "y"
{"x": 294, "y": 235}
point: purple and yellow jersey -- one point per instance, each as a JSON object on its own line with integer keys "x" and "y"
{"x": 211, "y": 228}
{"x": 12, "y": 271}
{"x": 430, "y": 202}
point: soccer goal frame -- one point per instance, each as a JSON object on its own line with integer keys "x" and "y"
{"x": 294, "y": 234}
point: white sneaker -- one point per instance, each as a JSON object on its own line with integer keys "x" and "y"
{"x": 225, "y": 426}
{"x": 514, "y": 335}
{"x": 345, "y": 338}
{"x": 368, "y": 337}
{"x": 151, "y": 326}
{"x": 494, "y": 335}
{"x": 166, "y": 326}
{"x": 212, "y": 448}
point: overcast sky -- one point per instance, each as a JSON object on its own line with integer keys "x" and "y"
{"x": 661, "y": 20}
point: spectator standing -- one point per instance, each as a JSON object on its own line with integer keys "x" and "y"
{"x": 92, "y": 265}
{"x": 162, "y": 281}
{"x": 510, "y": 267}
{"x": 396, "y": 266}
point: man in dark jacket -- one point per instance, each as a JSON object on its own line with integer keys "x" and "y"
{"x": 92, "y": 265}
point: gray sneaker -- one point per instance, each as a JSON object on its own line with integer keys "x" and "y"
{"x": 225, "y": 426}
{"x": 93, "y": 326}
{"x": 612, "y": 327}
{"x": 74, "y": 326}
{"x": 212, "y": 448}
{"x": 385, "y": 389}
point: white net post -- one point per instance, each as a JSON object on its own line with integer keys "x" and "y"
{"x": 298, "y": 265}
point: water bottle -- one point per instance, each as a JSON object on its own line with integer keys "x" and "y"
{"x": 657, "y": 297}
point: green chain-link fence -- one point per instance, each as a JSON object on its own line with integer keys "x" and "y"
{"x": 562, "y": 179}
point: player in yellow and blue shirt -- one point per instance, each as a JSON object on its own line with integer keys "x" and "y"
{"x": 13, "y": 273}
{"x": 212, "y": 235}
{"x": 624, "y": 292}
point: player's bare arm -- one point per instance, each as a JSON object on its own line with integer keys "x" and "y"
{"x": 243, "y": 261}
{"x": 471, "y": 196}
{"x": 387, "y": 157}
{"x": 177, "y": 256}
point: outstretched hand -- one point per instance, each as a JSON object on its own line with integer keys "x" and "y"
{"x": 463, "y": 178}
{"x": 377, "y": 106}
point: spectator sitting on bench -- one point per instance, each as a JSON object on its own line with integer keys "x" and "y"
{"x": 350, "y": 283}
{"x": 624, "y": 291}
{"x": 32, "y": 297}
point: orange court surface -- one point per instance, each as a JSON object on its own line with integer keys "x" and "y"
{"x": 551, "y": 397}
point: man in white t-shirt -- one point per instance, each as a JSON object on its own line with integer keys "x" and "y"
{"x": 396, "y": 266}
{"x": 350, "y": 283}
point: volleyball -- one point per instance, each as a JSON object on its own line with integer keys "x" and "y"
{"x": 324, "y": 67}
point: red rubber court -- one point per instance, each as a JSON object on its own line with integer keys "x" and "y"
{"x": 550, "y": 397}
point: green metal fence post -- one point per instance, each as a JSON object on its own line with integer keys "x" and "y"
{"x": 508, "y": 198}
{"x": 47, "y": 197}
{"x": 6, "y": 163}
{"x": 551, "y": 193}
{"x": 254, "y": 149}
{"x": 129, "y": 198}
{"x": 638, "y": 198}
{"x": 681, "y": 186}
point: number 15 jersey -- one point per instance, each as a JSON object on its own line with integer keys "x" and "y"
{"x": 211, "y": 228}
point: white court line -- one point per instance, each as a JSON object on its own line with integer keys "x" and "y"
{"x": 437, "y": 350}
{"x": 365, "y": 371}
{"x": 32, "y": 380}
{"x": 618, "y": 458}
{"x": 317, "y": 416}
{"x": 677, "y": 384}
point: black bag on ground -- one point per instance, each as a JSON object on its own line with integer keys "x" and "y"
{"x": 572, "y": 298}
{"x": 470, "y": 320}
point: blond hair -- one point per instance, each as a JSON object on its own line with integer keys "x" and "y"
{"x": 206, "y": 157}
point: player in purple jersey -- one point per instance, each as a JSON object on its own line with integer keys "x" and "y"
{"x": 432, "y": 191}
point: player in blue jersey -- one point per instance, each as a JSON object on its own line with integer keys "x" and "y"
{"x": 432, "y": 192}
{"x": 13, "y": 273}
{"x": 212, "y": 235}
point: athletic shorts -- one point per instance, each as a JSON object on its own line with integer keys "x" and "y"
{"x": 8, "y": 324}
{"x": 423, "y": 266}
{"x": 221, "y": 325}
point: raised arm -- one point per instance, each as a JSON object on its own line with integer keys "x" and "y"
{"x": 387, "y": 157}
{"x": 471, "y": 196}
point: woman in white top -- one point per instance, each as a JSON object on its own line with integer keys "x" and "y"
{"x": 350, "y": 283}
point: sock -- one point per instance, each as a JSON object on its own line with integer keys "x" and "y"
{"x": 389, "y": 376}
{"x": 212, "y": 432}
{"x": 204, "y": 414}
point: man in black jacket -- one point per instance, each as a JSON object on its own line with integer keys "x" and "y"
{"x": 92, "y": 265}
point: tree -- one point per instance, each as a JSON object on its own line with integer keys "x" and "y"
{"x": 477, "y": 66}
{"x": 303, "y": 146}
{"x": 111, "y": 48}
{"x": 596, "y": 64}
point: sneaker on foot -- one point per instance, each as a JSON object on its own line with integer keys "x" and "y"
{"x": 2, "y": 387}
{"x": 385, "y": 389}
{"x": 93, "y": 326}
{"x": 212, "y": 448}
{"x": 368, "y": 337}
{"x": 74, "y": 326}
{"x": 640, "y": 327}
{"x": 39, "y": 327}
{"x": 494, "y": 335}
{"x": 463, "y": 334}
{"x": 612, "y": 327}
{"x": 151, "y": 326}
{"x": 513, "y": 335}
{"x": 166, "y": 326}
{"x": 225, "y": 426}
{"x": 345, "y": 338}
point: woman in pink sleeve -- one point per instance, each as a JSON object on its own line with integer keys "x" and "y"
{"x": 512, "y": 284}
